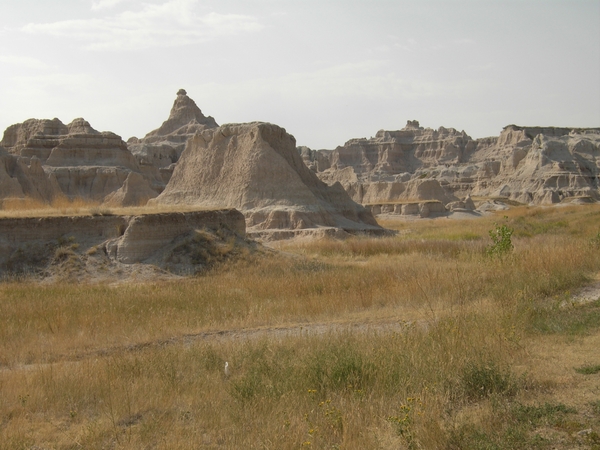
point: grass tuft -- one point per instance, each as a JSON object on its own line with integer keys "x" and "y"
{"x": 589, "y": 369}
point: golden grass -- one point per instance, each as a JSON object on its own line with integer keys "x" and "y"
{"x": 63, "y": 206}
{"x": 453, "y": 373}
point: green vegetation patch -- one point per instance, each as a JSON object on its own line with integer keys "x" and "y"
{"x": 501, "y": 236}
{"x": 588, "y": 370}
{"x": 526, "y": 227}
{"x": 514, "y": 427}
{"x": 576, "y": 320}
{"x": 482, "y": 380}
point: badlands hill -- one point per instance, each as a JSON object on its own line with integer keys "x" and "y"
{"x": 158, "y": 152}
{"x": 254, "y": 168}
{"x": 46, "y": 159}
{"x": 257, "y": 169}
{"x": 530, "y": 165}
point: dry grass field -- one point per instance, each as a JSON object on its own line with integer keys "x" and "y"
{"x": 62, "y": 206}
{"x": 424, "y": 340}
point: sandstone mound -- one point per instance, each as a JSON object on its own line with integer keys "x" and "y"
{"x": 48, "y": 159}
{"x": 134, "y": 192}
{"x": 391, "y": 153}
{"x": 17, "y": 136}
{"x": 158, "y": 152}
{"x": 255, "y": 168}
{"x": 185, "y": 118}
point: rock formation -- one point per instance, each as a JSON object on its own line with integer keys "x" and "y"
{"x": 525, "y": 164}
{"x": 48, "y": 159}
{"x": 173, "y": 241}
{"x": 540, "y": 165}
{"x": 255, "y": 168}
{"x": 158, "y": 152}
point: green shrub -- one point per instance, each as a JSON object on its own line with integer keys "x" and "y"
{"x": 501, "y": 237}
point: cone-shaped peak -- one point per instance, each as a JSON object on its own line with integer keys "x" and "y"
{"x": 184, "y": 112}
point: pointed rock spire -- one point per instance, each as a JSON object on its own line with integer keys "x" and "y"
{"x": 183, "y": 113}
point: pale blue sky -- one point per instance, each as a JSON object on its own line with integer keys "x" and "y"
{"x": 325, "y": 70}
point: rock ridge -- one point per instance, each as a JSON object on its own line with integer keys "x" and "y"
{"x": 530, "y": 165}
{"x": 255, "y": 168}
{"x": 28, "y": 245}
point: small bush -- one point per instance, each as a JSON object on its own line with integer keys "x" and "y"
{"x": 501, "y": 237}
{"x": 64, "y": 253}
{"x": 100, "y": 211}
{"x": 595, "y": 241}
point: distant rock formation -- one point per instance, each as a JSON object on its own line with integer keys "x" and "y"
{"x": 255, "y": 168}
{"x": 158, "y": 152}
{"x": 48, "y": 159}
{"x": 526, "y": 164}
{"x": 539, "y": 165}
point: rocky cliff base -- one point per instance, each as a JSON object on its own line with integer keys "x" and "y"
{"x": 111, "y": 247}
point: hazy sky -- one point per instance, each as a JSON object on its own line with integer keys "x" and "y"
{"x": 325, "y": 70}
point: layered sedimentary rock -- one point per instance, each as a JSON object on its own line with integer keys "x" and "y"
{"x": 255, "y": 168}
{"x": 541, "y": 165}
{"x": 30, "y": 244}
{"x": 49, "y": 159}
{"x": 9, "y": 184}
{"x": 158, "y": 152}
{"x": 18, "y": 136}
{"x": 527, "y": 164}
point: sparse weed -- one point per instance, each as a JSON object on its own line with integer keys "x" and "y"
{"x": 595, "y": 241}
{"x": 101, "y": 211}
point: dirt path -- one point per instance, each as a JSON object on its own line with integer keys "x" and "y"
{"x": 586, "y": 294}
{"x": 239, "y": 334}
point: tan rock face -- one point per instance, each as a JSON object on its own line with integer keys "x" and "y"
{"x": 406, "y": 150}
{"x": 527, "y": 164}
{"x": 135, "y": 191}
{"x": 158, "y": 152}
{"x": 17, "y": 136}
{"x": 28, "y": 244}
{"x": 146, "y": 235}
{"x": 256, "y": 169}
{"x": 49, "y": 159}
{"x": 9, "y": 184}
{"x": 185, "y": 118}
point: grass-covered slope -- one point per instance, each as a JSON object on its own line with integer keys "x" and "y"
{"x": 423, "y": 340}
